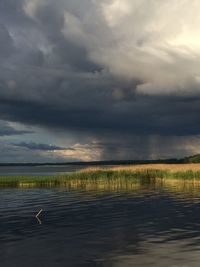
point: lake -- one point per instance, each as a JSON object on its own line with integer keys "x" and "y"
{"x": 38, "y": 170}
{"x": 145, "y": 225}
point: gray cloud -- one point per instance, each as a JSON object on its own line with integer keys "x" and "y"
{"x": 102, "y": 68}
{"x": 6, "y": 44}
{"x": 7, "y": 130}
{"x": 39, "y": 151}
{"x": 15, "y": 154}
{"x": 43, "y": 147}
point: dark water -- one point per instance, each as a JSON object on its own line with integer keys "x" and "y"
{"x": 147, "y": 226}
{"x": 38, "y": 170}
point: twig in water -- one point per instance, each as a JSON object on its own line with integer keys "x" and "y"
{"x": 38, "y": 214}
{"x": 39, "y": 221}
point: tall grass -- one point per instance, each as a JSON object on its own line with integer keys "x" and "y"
{"x": 102, "y": 177}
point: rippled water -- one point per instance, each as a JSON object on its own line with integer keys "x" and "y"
{"x": 148, "y": 226}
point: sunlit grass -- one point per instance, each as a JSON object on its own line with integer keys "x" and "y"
{"x": 116, "y": 177}
{"x": 162, "y": 167}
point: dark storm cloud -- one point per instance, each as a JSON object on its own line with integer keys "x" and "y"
{"x": 7, "y": 130}
{"x": 77, "y": 65}
{"x": 43, "y": 147}
{"x": 141, "y": 116}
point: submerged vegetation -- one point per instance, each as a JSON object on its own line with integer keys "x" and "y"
{"x": 123, "y": 176}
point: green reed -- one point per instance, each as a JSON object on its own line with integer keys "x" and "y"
{"x": 99, "y": 177}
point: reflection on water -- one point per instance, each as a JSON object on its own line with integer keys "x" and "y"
{"x": 141, "y": 225}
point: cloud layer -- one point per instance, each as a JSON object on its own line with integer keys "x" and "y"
{"x": 103, "y": 68}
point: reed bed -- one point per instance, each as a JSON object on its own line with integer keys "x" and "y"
{"x": 194, "y": 167}
{"x": 121, "y": 176}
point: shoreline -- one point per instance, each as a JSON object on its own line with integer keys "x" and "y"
{"x": 112, "y": 175}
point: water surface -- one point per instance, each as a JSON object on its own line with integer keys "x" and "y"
{"x": 38, "y": 170}
{"x": 146, "y": 226}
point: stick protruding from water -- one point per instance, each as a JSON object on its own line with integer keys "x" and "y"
{"x": 38, "y": 214}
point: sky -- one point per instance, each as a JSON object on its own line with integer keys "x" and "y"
{"x": 84, "y": 80}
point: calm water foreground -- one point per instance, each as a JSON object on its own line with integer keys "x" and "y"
{"x": 146, "y": 226}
